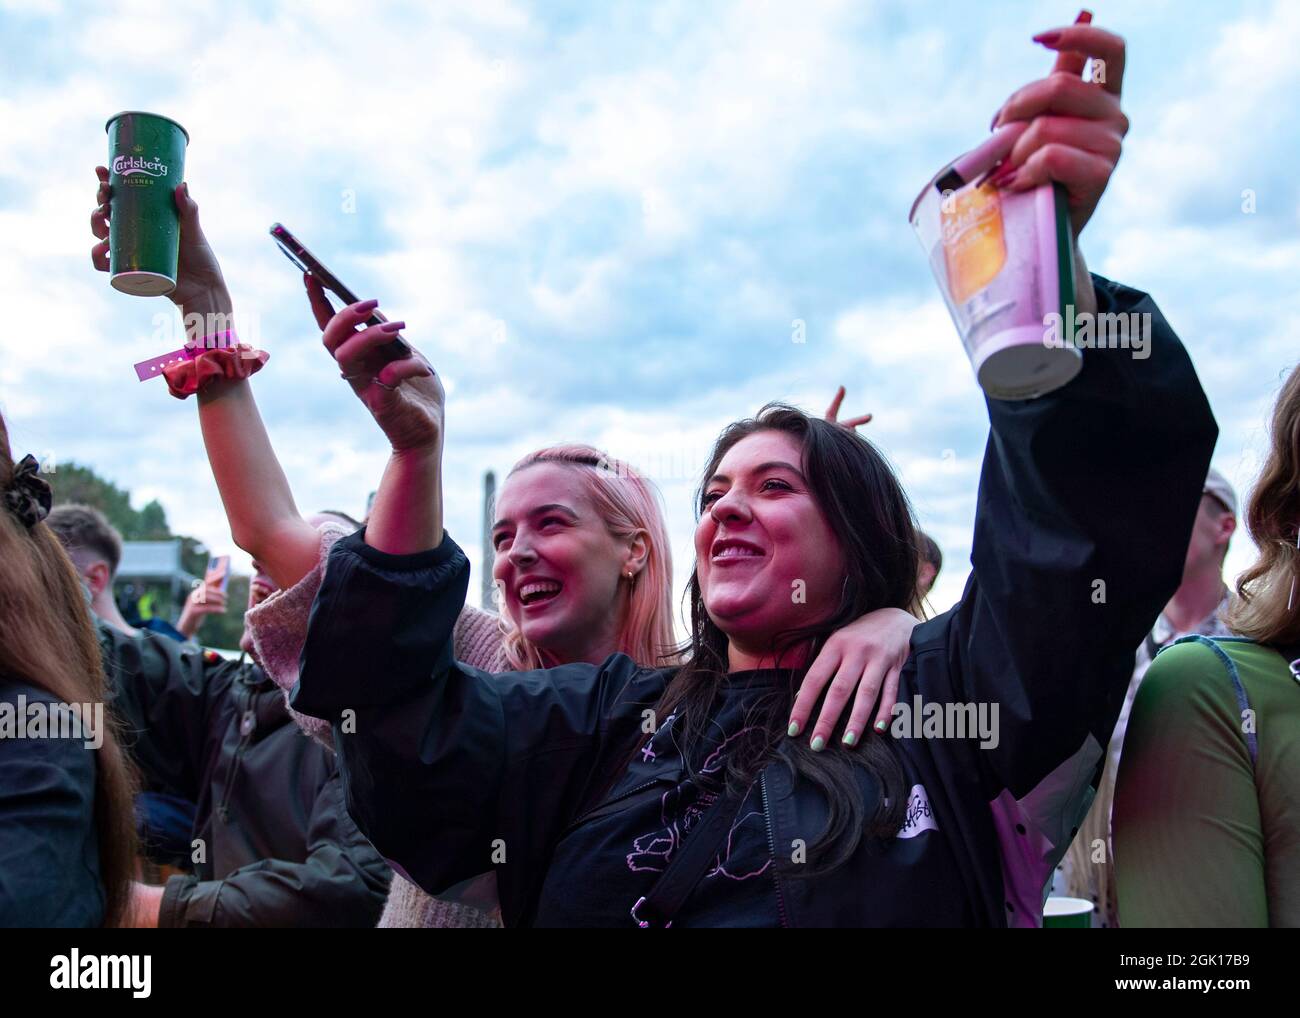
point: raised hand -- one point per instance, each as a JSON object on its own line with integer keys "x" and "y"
{"x": 833, "y": 413}
{"x": 203, "y": 601}
{"x": 1075, "y": 128}
{"x": 404, "y": 396}
{"x": 200, "y": 286}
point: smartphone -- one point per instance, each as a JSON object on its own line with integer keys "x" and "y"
{"x": 297, "y": 253}
{"x": 218, "y": 570}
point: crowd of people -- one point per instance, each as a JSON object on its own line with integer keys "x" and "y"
{"x": 384, "y": 753}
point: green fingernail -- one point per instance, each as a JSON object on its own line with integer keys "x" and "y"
{"x": 850, "y": 737}
{"x": 881, "y": 726}
{"x": 793, "y": 730}
{"x": 818, "y": 744}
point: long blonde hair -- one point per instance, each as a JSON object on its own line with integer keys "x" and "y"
{"x": 47, "y": 640}
{"x": 1272, "y": 517}
{"x": 627, "y": 504}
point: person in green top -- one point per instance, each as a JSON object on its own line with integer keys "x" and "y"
{"x": 1207, "y": 804}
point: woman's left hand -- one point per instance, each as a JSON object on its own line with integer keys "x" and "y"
{"x": 867, "y": 656}
{"x": 1076, "y": 127}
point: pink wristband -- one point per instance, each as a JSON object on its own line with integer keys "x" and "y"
{"x": 153, "y": 367}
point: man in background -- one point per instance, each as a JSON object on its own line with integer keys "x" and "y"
{"x": 95, "y": 547}
{"x": 269, "y": 841}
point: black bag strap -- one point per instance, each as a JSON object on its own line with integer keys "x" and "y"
{"x": 693, "y": 858}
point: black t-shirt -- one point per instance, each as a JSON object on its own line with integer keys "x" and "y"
{"x": 613, "y": 856}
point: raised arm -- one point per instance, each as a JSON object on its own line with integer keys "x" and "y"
{"x": 1086, "y": 502}
{"x": 406, "y": 399}
{"x": 264, "y": 521}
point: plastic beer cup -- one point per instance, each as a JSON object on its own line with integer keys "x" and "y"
{"x": 146, "y": 155}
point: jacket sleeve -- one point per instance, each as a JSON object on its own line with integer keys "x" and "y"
{"x": 1189, "y": 836}
{"x": 451, "y": 771}
{"x": 164, "y": 692}
{"x": 278, "y": 627}
{"x": 1085, "y": 508}
{"x": 342, "y": 882}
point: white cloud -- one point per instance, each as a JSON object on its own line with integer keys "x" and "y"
{"x": 627, "y": 207}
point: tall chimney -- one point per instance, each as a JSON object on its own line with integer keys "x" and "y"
{"x": 489, "y": 553}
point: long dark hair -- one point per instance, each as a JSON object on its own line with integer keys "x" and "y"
{"x": 872, "y": 518}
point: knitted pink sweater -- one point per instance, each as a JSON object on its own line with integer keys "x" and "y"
{"x": 278, "y": 627}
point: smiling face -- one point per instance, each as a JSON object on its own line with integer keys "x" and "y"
{"x": 766, "y": 557}
{"x": 558, "y": 568}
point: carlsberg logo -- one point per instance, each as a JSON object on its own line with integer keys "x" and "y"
{"x": 125, "y": 166}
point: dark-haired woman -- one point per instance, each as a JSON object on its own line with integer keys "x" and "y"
{"x": 583, "y": 785}
{"x": 67, "y": 835}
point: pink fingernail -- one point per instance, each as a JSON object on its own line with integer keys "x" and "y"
{"x": 392, "y": 326}
{"x": 365, "y": 305}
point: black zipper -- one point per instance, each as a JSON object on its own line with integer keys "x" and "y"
{"x": 245, "y": 734}
{"x": 771, "y": 844}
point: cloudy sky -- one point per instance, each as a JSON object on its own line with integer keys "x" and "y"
{"x": 600, "y": 221}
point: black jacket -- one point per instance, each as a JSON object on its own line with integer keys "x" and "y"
{"x": 49, "y": 843}
{"x": 274, "y": 845}
{"x": 1085, "y": 507}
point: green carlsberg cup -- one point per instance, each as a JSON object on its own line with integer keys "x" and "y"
{"x": 146, "y": 156}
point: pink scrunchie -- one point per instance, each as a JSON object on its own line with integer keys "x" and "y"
{"x": 206, "y": 366}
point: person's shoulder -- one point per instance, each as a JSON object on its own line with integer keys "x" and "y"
{"x": 11, "y": 690}
{"x": 1191, "y": 658}
{"x": 1191, "y": 673}
{"x": 60, "y": 743}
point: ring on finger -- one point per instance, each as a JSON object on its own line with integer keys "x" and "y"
{"x": 382, "y": 385}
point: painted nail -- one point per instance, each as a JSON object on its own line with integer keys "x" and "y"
{"x": 1048, "y": 38}
{"x": 818, "y": 744}
{"x": 365, "y": 305}
{"x": 850, "y": 737}
{"x": 793, "y": 730}
{"x": 392, "y": 326}
{"x": 1006, "y": 180}
{"x": 881, "y": 726}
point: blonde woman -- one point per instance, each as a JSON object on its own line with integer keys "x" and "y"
{"x": 1207, "y": 802}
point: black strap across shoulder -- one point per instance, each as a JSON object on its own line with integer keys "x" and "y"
{"x": 693, "y": 859}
